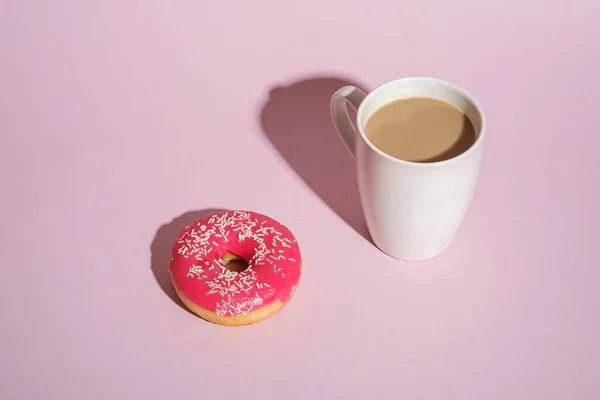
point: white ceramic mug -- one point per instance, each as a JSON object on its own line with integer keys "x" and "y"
{"x": 412, "y": 210}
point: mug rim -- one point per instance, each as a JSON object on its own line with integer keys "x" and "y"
{"x": 478, "y": 142}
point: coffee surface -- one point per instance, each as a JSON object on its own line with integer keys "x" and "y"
{"x": 420, "y": 129}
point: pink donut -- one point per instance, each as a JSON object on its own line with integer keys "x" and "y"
{"x": 205, "y": 267}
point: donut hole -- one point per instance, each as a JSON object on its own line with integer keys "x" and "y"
{"x": 235, "y": 263}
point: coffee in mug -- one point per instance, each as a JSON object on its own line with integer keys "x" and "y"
{"x": 420, "y": 129}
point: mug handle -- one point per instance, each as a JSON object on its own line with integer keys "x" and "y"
{"x": 339, "y": 114}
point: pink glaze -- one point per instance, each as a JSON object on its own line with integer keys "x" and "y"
{"x": 272, "y": 253}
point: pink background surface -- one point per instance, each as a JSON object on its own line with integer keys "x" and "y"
{"x": 121, "y": 121}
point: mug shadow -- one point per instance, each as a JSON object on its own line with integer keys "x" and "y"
{"x": 161, "y": 249}
{"x": 297, "y": 122}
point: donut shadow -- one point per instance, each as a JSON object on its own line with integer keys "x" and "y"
{"x": 296, "y": 120}
{"x": 160, "y": 250}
